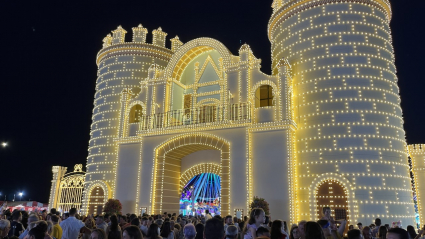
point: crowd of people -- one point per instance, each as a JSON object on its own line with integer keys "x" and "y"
{"x": 53, "y": 225}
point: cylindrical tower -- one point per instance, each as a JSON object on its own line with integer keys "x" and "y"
{"x": 120, "y": 65}
{"x": 350, "y": 137}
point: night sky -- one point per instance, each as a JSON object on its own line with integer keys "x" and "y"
{"x": 48, "y": 70}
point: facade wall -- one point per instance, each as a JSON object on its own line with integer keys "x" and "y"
{"x": 346, "y": 104}
{"x": 417, "y": 155}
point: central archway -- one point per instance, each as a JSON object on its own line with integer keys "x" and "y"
{"x": 167, "y": 184}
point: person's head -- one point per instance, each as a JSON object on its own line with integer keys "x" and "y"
{"x": 144, "y": 221}
{"x": 294, "y": 233}
{"x": 98, "y": 234}
{"x": 276, "y": 229}
{"x": 313, "y": 231}
{"x": 350, "y": 227}
{"x": 135, "y": 222}
{"x": 199, "y": 230}
{"x": 214, "y": 229}
{"x": 207, "y": 211}
{"x": 378, "y": 222}
{"x": 132, "y": 216}
{"x": 326, "y": 212}
{"x": 72, "y": 212}
{"x": 65, "y": 215}
{"x": 17, "y": 216}
{"x": 123, "y": 219}
{"x": 177, "y": 226}
{"x": 228, "y": 220}
{"x": 132, "y": 232}
{"x": 367, "y": 233}
{"x": 37, "y": 232}
{"x": 397, "y": 233}
{"x": 382, "y": 232}
{"x": 360, "y": 226}
{"x": 257, "y": 216}
{"x": 53, "y": 211}
{"x": 153, "y": 231}
{"x": 100, "y": 220}
{"x": 411, "y": 231}
{"x": 44, "y": 213}
{"x": 325, "y": 225}
{"x": 4, "y": 227}
{"x": 182, "y": 222}
{"x": 354, "y": 234}
{"x": 166, "y": 229}
{"x": 301, "y": 227}
{"x": 106, "y": 217}
{"x": 189, "y": 231}
{"x": 261, "y": 232}
{"x": 90, "y": 223}
{"x": 55, "y": 219}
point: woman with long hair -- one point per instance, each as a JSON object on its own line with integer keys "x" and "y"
{"x": 313, "y": 231}
{"x": 199, "y": 231}
{"x": 382, "y": 232}
{"x": 114, "y": 230}
{"x": 295, "y": 233}
{"x": 276, "y": 230}
{"x": 85, "y": 231}
{"x": 166, "y": 232}
{"x": 411, "y": 231}
{"x": 132, "y": 232}
{"x": 153, "y": 232}
{"x": 257, "y": 217}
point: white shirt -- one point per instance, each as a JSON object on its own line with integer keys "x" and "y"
{"x": 144, "y": 229}
{"x": 71, "y": 228}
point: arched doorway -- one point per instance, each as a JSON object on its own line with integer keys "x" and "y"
{"x": 96, "y": 200}
{"x": 167, "y": 185}
{"x": 331, "y": 193}
{"x": 202, "y": 192}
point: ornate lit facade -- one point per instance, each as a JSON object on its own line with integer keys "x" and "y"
{"x": 325, "y": 128}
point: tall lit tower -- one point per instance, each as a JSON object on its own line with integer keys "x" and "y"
{"x": 121, "y": 67}
{"x": 350, "y": 135}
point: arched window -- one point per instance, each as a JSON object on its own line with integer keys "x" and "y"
{"x": 96, "y": 201}
{"x": 135, "y": 113}
{"x": 332, "y": 194}
{"x": 264, "y": 96}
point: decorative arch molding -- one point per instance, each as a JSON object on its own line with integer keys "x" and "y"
{"x": 97, "y": 183}
{"x": 198, "y": 169}
{"x": 190, "y": 50}
{"x": 340, "y": 180}
{"x": 167, "y": 163}
{"x": 208, "y": 101}
{"x": 276, "y": 97}
{"x": 133, "y": 103}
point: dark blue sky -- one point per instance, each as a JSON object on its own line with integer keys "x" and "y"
{"x": 47, "y": 82}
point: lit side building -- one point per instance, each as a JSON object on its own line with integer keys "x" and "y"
{"x": 325, "y": 129}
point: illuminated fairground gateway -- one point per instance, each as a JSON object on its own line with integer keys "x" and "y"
{"x": 195, "y": 127}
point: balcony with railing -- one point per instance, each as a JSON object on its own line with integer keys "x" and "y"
{"x": 204, "y": 115}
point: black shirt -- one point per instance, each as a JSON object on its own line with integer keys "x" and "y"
{"x": 15, "y": 228}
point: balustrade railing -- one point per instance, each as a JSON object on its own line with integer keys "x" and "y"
{"x": 201, "y": 115}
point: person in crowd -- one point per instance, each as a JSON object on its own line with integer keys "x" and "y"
{"x": 313, "y": 231}
{"x": 262, "y": 232}
{"x": 50, "y": 229}
{"x": 159, "y": 222}
{"x": 367, "y": 234}
{"x": 44, "y": 215}
{"x": 329, "y": 231}
{"x": 214, "y": 229}
{"x": 114, "y": 230}
{"x": 397, "y": 233}
{"x": 360, "y": 226}
{"x": 235, "y": 222}
{"x": 232, "y": 232}
{"x": 57, "y": 229}
{"x": 98, "y": 233}
{"x": 257, "y": 217}
{"x": 144, "y": 226}
{"x": 132, "y": 232}
{"x": 16, "y": 227}
{"x": 301, "y": 226}
{"x": 4, "y": 228}
{"x": 71, "y": 226}
{"x": 382, "y": 232}
{"x": 294, "y": 233}
{"x": 189, "y": 231}
{"x": 376, "y": 229}
{"x": 173, "y": 228}
{"x": 37, "y": 233}
{"x": 153, "y": 232}
{"x": 207, "y": 215}
{"x": 107, "y": 218}
{"x": 100, "y": 223}
{"x": 411, "y": 231}
{"x": 182, "y": 224}
{"x": 277, "y": 231}
{"x": 135, "y": 222}
{"x": 166, "y": 231}
{"x": 355, "y": 234}
{"x": 350, "y": 227}
{"x": 228, "y": 221}
{"x": 85, "y": 231}
{"x": 123, "y": 221}
{"x": 45, "y": 228}
{"x": 199, "y": 231}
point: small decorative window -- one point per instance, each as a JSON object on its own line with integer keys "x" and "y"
{"x": 264, "y": 96}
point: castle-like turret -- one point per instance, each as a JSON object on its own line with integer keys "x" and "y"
{"x": 122, "y": 66}
{"x": 350, "y": 135}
